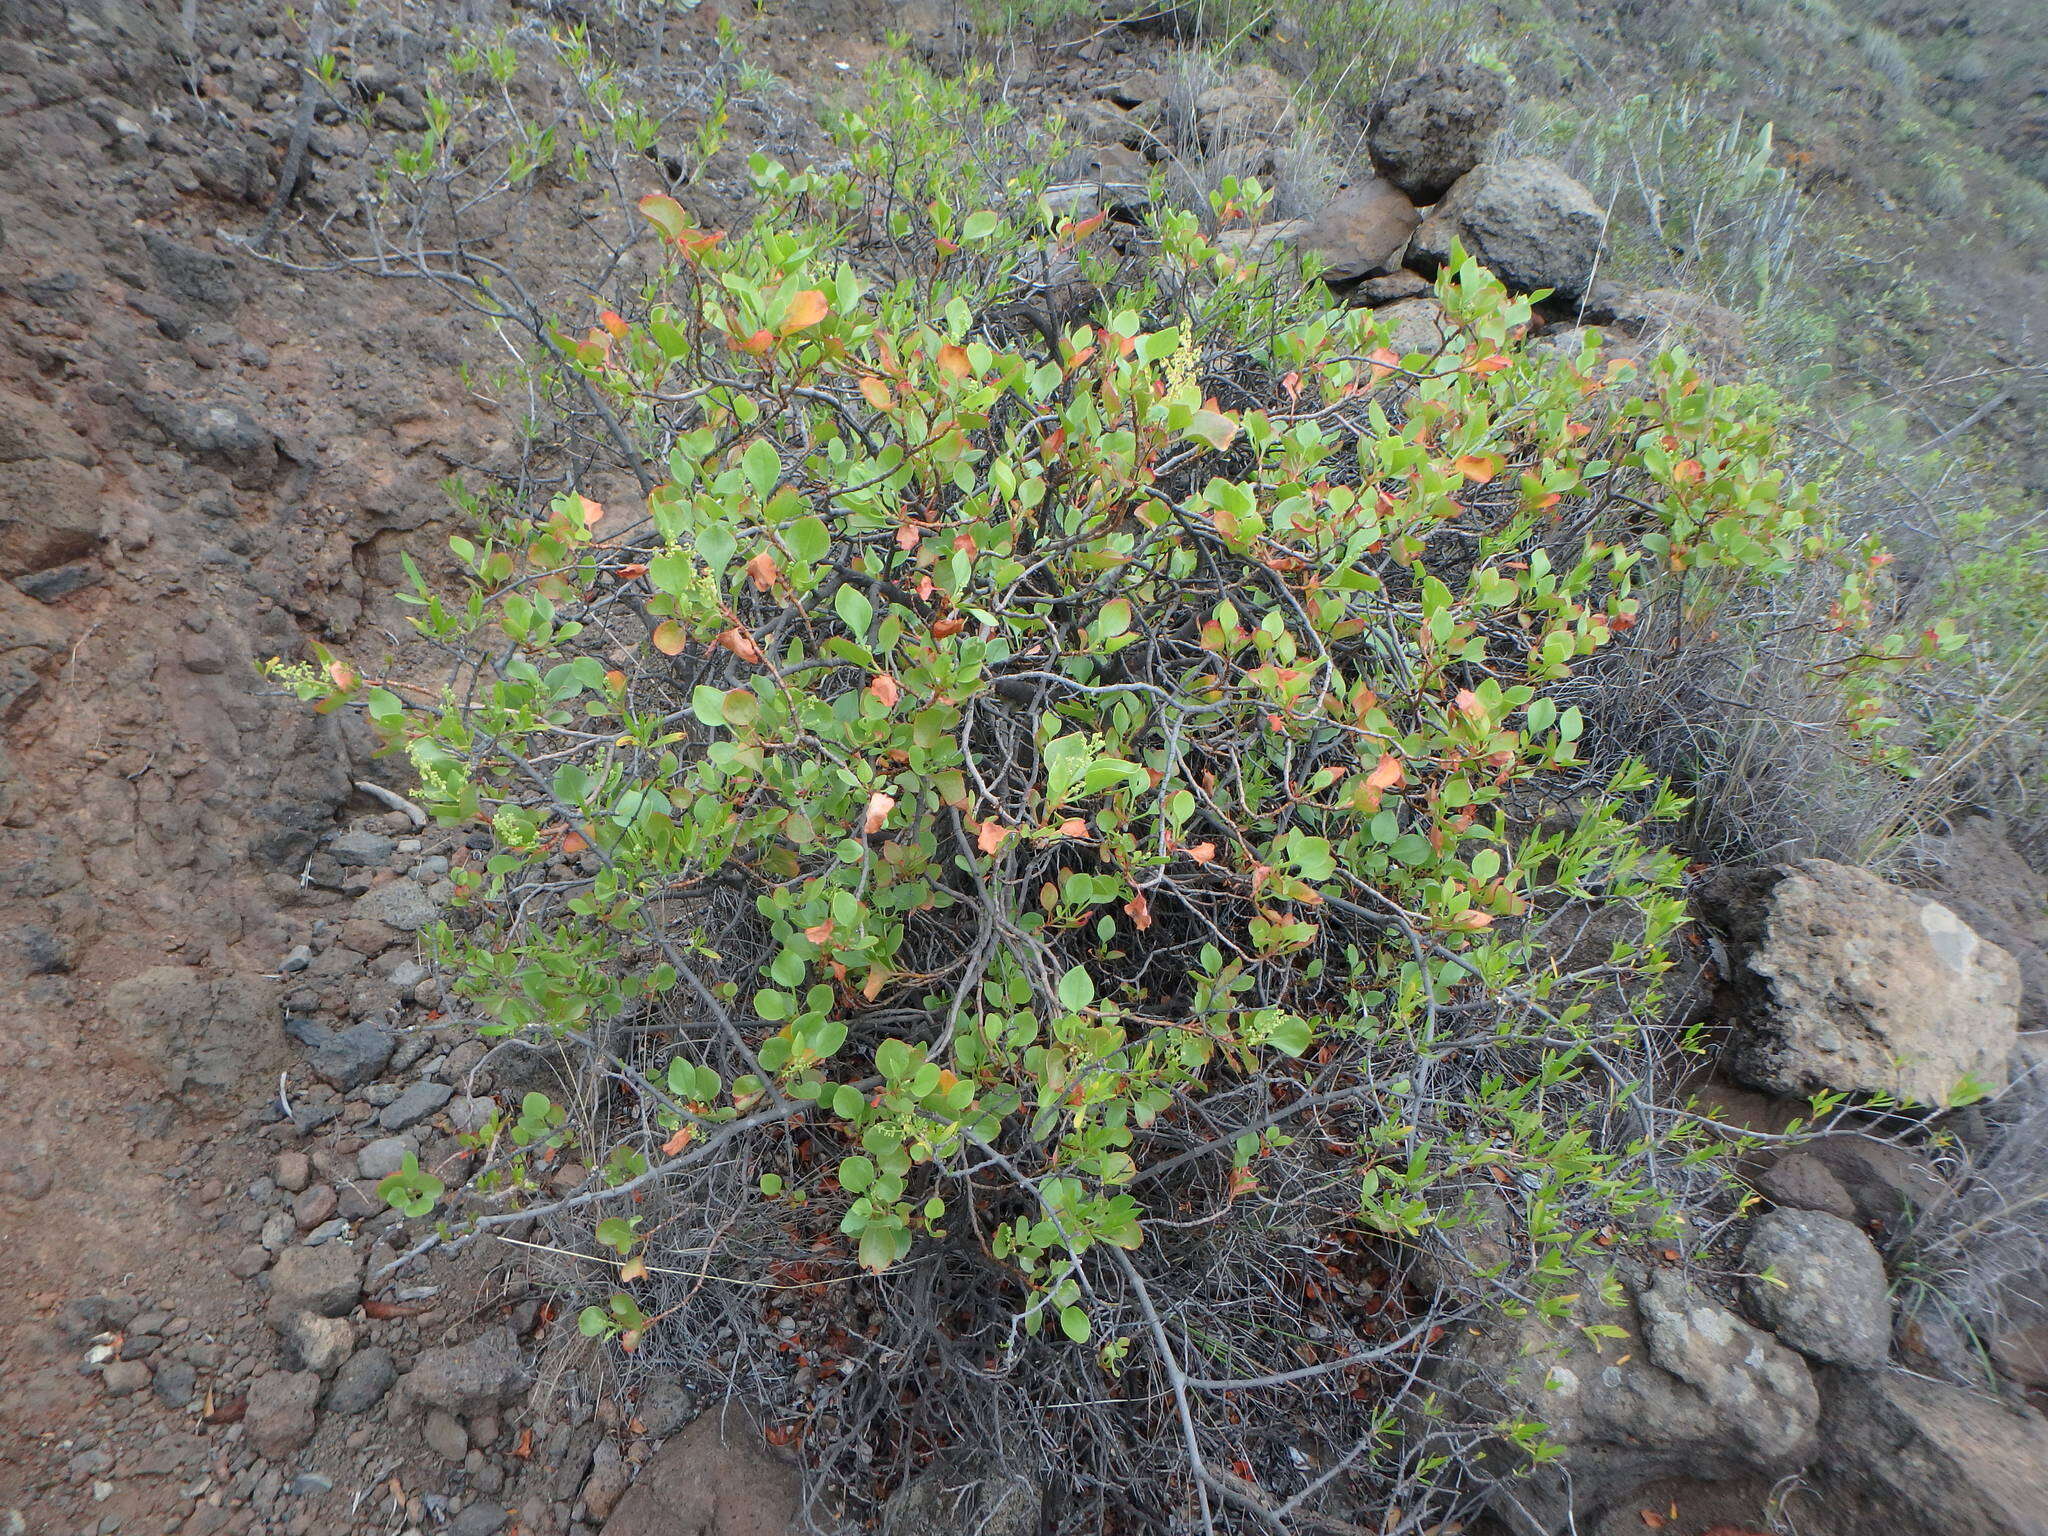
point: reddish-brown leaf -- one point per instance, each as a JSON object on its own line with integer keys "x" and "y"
{"x": 805, "y": 311}
{"x": 741, "y": 644}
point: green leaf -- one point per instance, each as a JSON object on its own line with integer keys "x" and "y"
{"x": 980, "y": 226}
{"x": 1074, "y": 1324}
{"x": 763, "y": 466}
{"x": 854, "y": 609}
{"x": 809, "y": 541}
{"x": 708, "y": 704}
{"x": 1077, "y": 989}
{"x": 856, "y": 1173}
{"x": 1291, "y": 1034}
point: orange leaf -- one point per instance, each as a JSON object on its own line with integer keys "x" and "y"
{"x": 805, "y": 311}
{"x": 631, "y": 572}
{"x": 953, "y": 360}
{"x": 1242, "y": 1182}
{"x": 593, "y": 511}
{"x": 1481, "y": 467}
{"x": 1688, "y": 472}
{"x": 877, "y": 979}
{"x": 879, "y": 807}
{"x": 1469, "y": 705}
{"x": 383, "y": 1310}
{"x": 612, "y": 322}
{"x": 1087, "y": 226}
{"x": 759, "y": 343}
{"x": 741, "y": 644}
{"x": 819, "y": 934}
{"x": 1384, "y": 361}
{"x": 1074, "y": 826}
{"x": 762, "y": 570}
{"x": 884, "y": 687}
{"x": 908, "y": 536}
{"x": 523, "y": 1450}
{"x": 946, "y": 628}
{"x": 1202, "y": 853}
{"x": 1386, "y": 773}
{"x": 665, "y": 214}
{"x": 573, "y": 842}
{"x": 989, "y": 837}
{"x": 877, "y": 393}
{"x": 670, "y": 637}
{"x": 1139, "y": 911}
{"x": 677, "y": 1142}
{"x": 341, "y": 674}
{"x": 615, "y": 679}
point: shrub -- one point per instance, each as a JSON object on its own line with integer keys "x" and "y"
{"x": 1101, "y": 927}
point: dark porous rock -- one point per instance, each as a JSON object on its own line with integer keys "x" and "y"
{"x": 362, "y": 849}
{"x": 362, "y": 1381}
{"x": 1391, "y": 289}
{"x": 175, "y": 1383}
{"x": 1427, "y": 131}
{"x": 1801, "y": 1181}
{"x": 1847, "y": 984}
{"x": 414, "y": 1105}
{"x": 346, "y": 1058}
{"x": 1362, "y": 232}
{"x": 53, "y": 585}
{"x": 281, "y": 1413}
{"x": 465, "y": 1379}
{"x": 964, "y": 1494}
{"x": 483, "y": 1518}
{"x": 195, "y": 277}
{"x": 716, "y": 1476}
{"x": 326, "y": 1279}
{"x": 1912, "y": 1457}
{"x": 402, "y": 904}
{"x": 124, "y": 1377}
{"x": 1820, "y": 1286}
{"x": 218, "y": 433}
{"x": 1528, "y": 222}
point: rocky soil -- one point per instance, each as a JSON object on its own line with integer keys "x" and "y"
{"x": 223, "y": 1033}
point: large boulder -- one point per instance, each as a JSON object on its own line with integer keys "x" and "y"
{"x": 1972, "y": 868}
{"x": 1847, "y": 984}
{"x": 714, "y": 1479}
{"x": 1670, "y": 1384}
{"x": 1527, "y": 221}
{"x": 1912, "y": 1457}
{"x": 210, "y": 1034}
{"x": 1429, "y": 130}
{"x": 1362, "y": 232}
{"x": 1819, "y": 1285}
